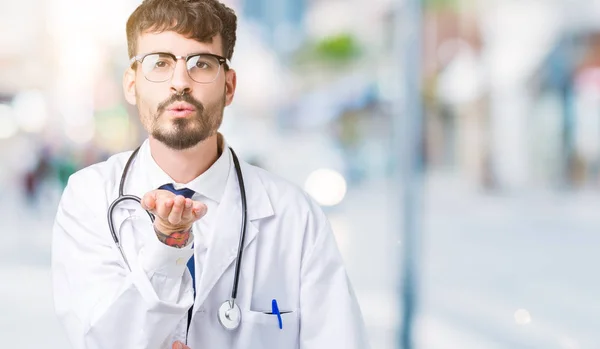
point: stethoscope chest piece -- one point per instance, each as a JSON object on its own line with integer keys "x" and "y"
{"x": 229, "y": 317}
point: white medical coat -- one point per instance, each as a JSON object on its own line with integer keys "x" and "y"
{"x": 290, "y": 255}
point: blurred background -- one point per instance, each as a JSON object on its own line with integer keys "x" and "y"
{"x": 505, "y": 177}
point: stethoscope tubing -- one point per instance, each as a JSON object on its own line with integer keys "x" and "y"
{"x": 122, "y": 197}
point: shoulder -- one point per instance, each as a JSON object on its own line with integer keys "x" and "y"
{"x": 93, "y": 185}
{"x": 297, "y": 216}
{"x": 288, "y": 198}
{"x": 105, "y": 173}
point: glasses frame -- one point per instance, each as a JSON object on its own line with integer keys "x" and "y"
{"x": 222, "y": 61}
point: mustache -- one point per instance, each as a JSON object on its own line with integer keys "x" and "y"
{"x": 180, "y": 98}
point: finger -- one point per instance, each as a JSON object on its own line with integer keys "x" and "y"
{"x": 199, "y": 210}
{"x": 163, "y": 208}
{"x": 177, "y": 210}
{"x": 187, "y": 215}
{"x": 149, "y": 201}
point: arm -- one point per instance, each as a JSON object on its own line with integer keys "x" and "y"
{"x": 329, "y": 309}
{"x": 100, "y": 303}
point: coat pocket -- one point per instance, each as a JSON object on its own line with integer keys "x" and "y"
{"x": 262, "y": 330}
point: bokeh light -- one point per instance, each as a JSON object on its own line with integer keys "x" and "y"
{"x": 326, "y": 186}
{"x": 522, "y": 317}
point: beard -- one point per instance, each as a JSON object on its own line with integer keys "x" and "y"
{"x": 185, "y": 133}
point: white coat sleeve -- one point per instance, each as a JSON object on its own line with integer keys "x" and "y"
{"x": 99, "y": 302}
{"x": 329, "y": 312}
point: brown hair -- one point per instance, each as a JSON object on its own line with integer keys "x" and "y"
{"x": 200, "y": 20}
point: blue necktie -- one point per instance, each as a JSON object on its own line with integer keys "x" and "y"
{"x": 187, "y": 193}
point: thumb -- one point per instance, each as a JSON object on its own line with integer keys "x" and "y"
{"x": 149, "y": 202}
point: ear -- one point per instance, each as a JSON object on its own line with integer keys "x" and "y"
{"x": 230, "y": 84}
{"x": 129, "y": 86}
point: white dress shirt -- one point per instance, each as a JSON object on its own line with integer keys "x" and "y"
{"x": 208, "y": 188}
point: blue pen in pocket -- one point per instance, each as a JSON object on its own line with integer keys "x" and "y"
{"x": 275, "y": 311}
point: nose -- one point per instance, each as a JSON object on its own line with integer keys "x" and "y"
{"x": 181, "y": 83}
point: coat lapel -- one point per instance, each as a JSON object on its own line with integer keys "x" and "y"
{"x": 227, "y": 229}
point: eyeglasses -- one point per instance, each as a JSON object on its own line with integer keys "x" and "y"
{"x": 201, "y": 67}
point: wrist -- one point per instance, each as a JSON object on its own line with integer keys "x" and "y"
{"x": 173, "y": 237}
{"x": 168, "y": 229}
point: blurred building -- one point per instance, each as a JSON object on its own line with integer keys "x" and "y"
{"x": 569, "y": 80}
{"x": 485, "y": 120}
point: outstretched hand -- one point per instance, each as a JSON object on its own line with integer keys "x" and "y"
{"x": 173, "y": 213}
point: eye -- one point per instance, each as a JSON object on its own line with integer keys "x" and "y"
{"x": 158, "y": 61}
{"x": 202, "y": 65}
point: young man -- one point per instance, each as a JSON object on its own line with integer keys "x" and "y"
{"x": 166, "y": 284}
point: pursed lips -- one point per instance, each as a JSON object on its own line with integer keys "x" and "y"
{"x": 181, "y": 107}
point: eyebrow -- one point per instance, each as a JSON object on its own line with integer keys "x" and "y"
{"x": 190, "y": 54}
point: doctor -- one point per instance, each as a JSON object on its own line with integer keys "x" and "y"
{"x": 164, "y": 285}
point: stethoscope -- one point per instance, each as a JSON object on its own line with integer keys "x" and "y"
{"x": 229, "y": 313}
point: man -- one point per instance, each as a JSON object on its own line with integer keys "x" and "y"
{"x": 166, "y": 286}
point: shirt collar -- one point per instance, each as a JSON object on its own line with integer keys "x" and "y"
{"x": 211, "y": 183}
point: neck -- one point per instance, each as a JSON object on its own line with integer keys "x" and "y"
{"x": 185, "y": 165}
